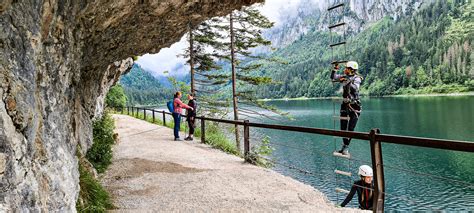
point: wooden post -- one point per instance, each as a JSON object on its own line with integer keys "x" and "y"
{"x": 164, "y": 118}
{"x": 246, "y": 139}
{"x": 153, "y": 115}
{"x": 121, "y": 110}
{"x": 128, "y": 110}
{"x": 138, "y": 109}
{"x": 144, "y": 114}
{"x": 132, "y": 111}
{"x": 377, "y": 165}
{"x": 203, "y": 129}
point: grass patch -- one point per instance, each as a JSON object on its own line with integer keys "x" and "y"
{"x": 217, "y": 139}
{"x": 92, "y": 196}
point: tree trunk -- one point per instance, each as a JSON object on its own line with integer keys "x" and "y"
{"x": 234, "y": 93}
{"x": 191, "y": 58}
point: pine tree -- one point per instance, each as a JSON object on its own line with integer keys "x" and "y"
{"x": 245, "y": 31}
{"x": 203, "y": 54}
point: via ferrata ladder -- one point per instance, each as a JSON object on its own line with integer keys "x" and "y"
{"x": 337, "y": 25}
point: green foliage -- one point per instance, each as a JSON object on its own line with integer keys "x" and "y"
{"x": 258, "y": 153}
{"x": 116, "y": 97}
{"x": 179, "y": 86}
{"x": 427, "y": 49}
{"x": 100, "y": 154}
{"x": 217, "y": 139}
{"x": 92, "y": 195}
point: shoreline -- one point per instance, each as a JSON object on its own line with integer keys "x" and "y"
{"x": 387, "y": 96}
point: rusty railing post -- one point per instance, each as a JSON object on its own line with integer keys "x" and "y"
{"x": 246, "y": 139}
{"x": 164, "y": 118}
{"x": 203, "y": 129}
{"x": 153, "y": 115}
{"x": 144, "y": 114}
{"x": 377, "y": 165}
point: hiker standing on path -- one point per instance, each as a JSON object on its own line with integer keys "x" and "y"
{"x": 191, "y": 116}
{"x": 351, "y": 105}
{"x": 178, "y": 106}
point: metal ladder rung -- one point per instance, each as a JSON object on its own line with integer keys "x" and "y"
{"x": 342, "y": 190}
{"x": 336, "y": 6}
{"x": 343, "y": 173}
{"x": 337, "y": 44}
{"x": 337, "y": 154}
{"x": 341, "y": 118}
{"x": 337, "y": 25}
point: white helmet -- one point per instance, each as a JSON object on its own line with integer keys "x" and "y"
{"x": 366, "y": 171}
{"x": 352, "y": 64}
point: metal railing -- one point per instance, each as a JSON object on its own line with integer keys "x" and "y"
{"x": 374, "y": 137}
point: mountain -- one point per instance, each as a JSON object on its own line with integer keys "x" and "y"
{"x": 312, "y": 15}
{"x": 430, "y": 50}
{"x": 142, "y": 88}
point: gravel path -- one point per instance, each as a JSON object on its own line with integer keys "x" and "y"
{"x": 151, "y": 172}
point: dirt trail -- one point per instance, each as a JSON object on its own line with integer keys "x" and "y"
{"x": 151, "y": 172}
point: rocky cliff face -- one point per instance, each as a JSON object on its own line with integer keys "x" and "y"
{"x": 313, "y": 15}
{"x": 56, "y": 64}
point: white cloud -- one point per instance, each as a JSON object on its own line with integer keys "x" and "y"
{"x": 278, "y": 10}
{"x": 166, "y": 60}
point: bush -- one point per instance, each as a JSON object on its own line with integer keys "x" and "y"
{"x": 116, "y": 97}
{"x": 257, "y": 153}
{"x": 100, "y": 154}
{"x": 92, "y": 196}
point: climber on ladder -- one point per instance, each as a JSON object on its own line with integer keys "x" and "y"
{"x": 364, "y": 188}
{"x": 351, "y": 106}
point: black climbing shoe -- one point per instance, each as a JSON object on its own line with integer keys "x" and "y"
{"x": 344, "y": 150}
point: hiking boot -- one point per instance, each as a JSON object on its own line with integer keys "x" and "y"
{"x": 188, "y": 139}
{"x": 344, "y": 150}
{"x": 178, "y": 139}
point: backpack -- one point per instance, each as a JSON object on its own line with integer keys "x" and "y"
{"x": 170, "y": 105}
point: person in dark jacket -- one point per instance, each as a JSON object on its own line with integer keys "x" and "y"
{"x": 351, "y": 106}
{"x": 191, "y": 116}
{"x": 364, "y": 188}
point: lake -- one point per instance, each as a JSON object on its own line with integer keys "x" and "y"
{"x": 415, "y": 178}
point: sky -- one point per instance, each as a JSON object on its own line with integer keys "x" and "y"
{"x": 167, "y": 60}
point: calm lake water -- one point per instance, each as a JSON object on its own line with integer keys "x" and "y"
{"x": 436, "y": 117}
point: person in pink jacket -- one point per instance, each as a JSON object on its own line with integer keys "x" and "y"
{"x": 178, "y": 108}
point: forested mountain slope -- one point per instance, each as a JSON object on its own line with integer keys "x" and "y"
{"x": 142, "y": 88}
{"x": 429, "y": 51}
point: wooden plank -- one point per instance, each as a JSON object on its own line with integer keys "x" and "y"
{"x": 337, "y": 154}
{"x": 343, "y": 173}
{"x": 342, "y": 190}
